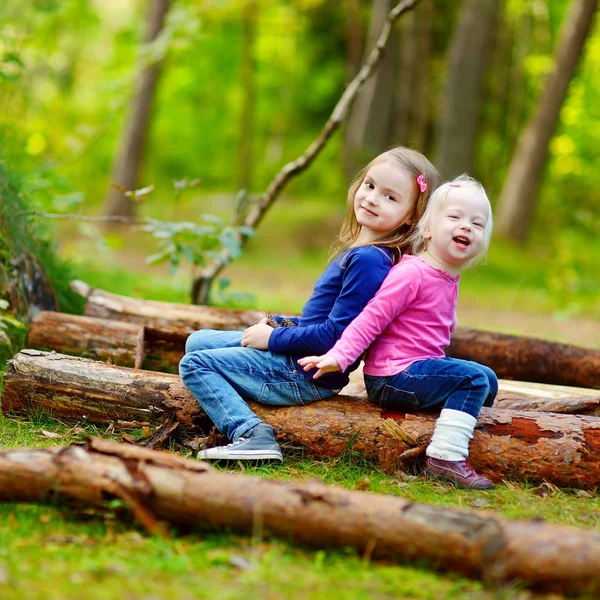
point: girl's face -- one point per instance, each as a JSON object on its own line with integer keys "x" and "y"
{"x": 384, "y": 200}
{"x": 456, "y": 234}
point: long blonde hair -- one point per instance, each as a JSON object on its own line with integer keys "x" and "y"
{"x": 398, "y": 240}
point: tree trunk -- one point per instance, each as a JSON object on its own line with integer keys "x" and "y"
{"x": 404, "y": 84}
{"x": 367, "y": 133}
{"x": 425, "y": 13}
{"x": 353, "y": 37}
{"x": 514, "y": 357}
{"x": 521, "y": 187}
{"x": 562, "y": 449}
{"x": 462, "y": 101}
{"x": 549, "y": 557}
{"x": 126, "y": 168}
{"x": 248, "y": 84}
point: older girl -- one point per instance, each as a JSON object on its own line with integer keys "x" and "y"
{"x": 223, "y": 369}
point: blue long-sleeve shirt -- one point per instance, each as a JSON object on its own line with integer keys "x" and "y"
{"x": 340, "y": 294}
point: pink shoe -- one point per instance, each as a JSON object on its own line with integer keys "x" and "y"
{"x": 458, "y": 472}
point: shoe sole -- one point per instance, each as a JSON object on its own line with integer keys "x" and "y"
{"x": 247, "y": 455}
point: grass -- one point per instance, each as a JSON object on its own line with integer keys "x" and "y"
{"x": 56, "y": 552}
{"x": 50, "y": 552}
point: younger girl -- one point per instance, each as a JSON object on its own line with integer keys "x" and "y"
{"x": 222, "y": 368}
{"x": 411, "y": 318}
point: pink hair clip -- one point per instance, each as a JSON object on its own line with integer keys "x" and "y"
{"x": 421, "y": 183}
{"x": 454, "y": 184}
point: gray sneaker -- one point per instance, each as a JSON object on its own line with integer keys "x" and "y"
{"x": 258, "y": 443}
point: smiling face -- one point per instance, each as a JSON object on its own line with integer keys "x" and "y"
{"x": 456, "y": 234}
{"x": 384, "y": 200}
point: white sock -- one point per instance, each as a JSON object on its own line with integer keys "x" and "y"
{"x": 451, "y": 436}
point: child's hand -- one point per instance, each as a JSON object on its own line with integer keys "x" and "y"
{"x": 325, "y": 364}
{"x": 257, "y": 336}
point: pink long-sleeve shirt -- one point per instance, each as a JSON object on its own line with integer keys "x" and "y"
{"x": 409, "y": 319}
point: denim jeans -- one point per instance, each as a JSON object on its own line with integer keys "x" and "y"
{"x": 221, "y": 373}
{"x": 433, "y": 384}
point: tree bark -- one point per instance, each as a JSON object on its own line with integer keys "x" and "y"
{"x": 519, "y": 194}
{"x": 156, "y": 485}
{"x": 512, "y": 357}
{"x": 468, "y": 60}
{"x": 127, "y": 165}
{"x": 562, "y": 449}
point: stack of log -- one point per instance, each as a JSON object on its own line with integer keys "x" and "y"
{"x": 112, "y": 365}
{"x": 125, "y": 349}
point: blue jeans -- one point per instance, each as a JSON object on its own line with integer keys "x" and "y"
{"x": 220, "y": 373}
{"x": 433, "y": 384}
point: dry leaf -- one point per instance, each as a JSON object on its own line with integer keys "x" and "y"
{"x": 51, "y": 434}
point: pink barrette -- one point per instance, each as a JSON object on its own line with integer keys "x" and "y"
{"x": 421, "y": 183}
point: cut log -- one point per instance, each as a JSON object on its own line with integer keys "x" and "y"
{"x": 510, "y": 356}
{"x": 156, "y": 485}
{"x": 562, "y": 449}
{"x": 101, "y": 339}
{"x": 161, "y": 349}
{"x": 527, "y": 358}
{"x": 109, "y": 340}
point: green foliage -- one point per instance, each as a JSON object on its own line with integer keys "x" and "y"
{"x": 12, "y": 333}
{"x": 199, "y": 244}
{"x": 22, "y": 235}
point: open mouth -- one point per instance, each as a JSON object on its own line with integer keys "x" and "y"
{"x": 461, "y": 241}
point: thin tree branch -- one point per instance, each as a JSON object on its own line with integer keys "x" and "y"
{"x": 202, "y": 284}
{"x": 89, "y": 219}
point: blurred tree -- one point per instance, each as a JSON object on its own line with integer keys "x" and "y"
{"x": 521, "y": 187}
{"x": 125, "y": 172}
{"x": 413, "y": 81}
{"x": 370, "y": 117}
{"x": 469, "y": 56}
{"x": 353, "y": 33}
{"x": 248, "y": 82}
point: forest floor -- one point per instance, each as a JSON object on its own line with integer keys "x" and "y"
{"x": 57, "y": 553}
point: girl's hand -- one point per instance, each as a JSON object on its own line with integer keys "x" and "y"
{"x": 325, "y": 364}
{"x": 257, "y": 336}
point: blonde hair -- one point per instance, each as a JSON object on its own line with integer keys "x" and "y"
{"x": 398, "y": 240}
{"x": 437, "y": 201}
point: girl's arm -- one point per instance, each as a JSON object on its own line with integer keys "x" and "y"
{"x": 364, "y": 271}
{"x": 398, "y": 291}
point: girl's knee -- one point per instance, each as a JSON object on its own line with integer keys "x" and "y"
{"x": 192, "y": 361}
{"x": 196, "y": 340}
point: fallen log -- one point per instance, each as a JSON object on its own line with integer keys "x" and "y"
{"x": 161, "y": 349}
{"x": 527, "y": 358}
{"x": 156, "y": 485}
{"x": 562, "y": 449}
{"x": 510, "y": 356}
{"x": 108, "y": 340}
{"x": 184, "y": 317}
